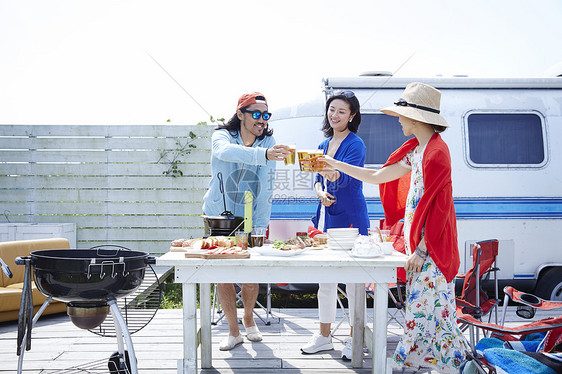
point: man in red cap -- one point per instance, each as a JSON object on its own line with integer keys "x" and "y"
{"x": 244, "y": 151}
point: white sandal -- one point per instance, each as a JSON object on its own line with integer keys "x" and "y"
{"x": 253, "y": 334}
{"x": 231, "y": 342}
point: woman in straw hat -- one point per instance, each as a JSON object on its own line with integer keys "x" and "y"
{"x": 415, "y": 185}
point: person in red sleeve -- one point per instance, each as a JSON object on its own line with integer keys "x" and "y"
{"x": 415, "y": 185}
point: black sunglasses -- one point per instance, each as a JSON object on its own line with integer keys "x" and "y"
{"x": 348, "y": 94}
{"x": 256, "y": 114}
{"x": 402, "y": 102}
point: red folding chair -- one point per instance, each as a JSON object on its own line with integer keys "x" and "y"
{"x": 551, "y": 325}
{"x": 527, "y": 304}
{"x": 474, "y": 301}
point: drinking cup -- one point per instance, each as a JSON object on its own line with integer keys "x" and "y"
{"x": 308, "y": 160}
{"x": 291, "y": 159}
{"x": 374, "y": 235}
{"x": 258, "y": 236}
{"x": 385, "y": 235}
{"x": 304, "y": 161}
{"x": 241, "y": 238}
{"x": 316, "y": 165}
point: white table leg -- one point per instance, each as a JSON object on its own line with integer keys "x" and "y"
{"x": 380, "y": 309}
{"x": 358, "y": 323}
{"x": 189, "y": 294}
{"x": 205, "y": 318}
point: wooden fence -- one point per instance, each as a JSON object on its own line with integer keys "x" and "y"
{"x": 107, "y": 180}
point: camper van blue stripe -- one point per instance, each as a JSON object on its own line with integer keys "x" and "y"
{"x": 524, "y": 276}
{"x": 466, "y": 208}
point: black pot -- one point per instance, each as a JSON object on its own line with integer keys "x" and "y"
{"x": 86, "y": 275}
{"x": 223, "y": 223}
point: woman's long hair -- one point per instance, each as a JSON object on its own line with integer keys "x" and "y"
{"x": 355, "y": 108}
{"x": 233, "y": 127}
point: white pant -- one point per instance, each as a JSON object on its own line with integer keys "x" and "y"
{"x": 327, "y": 301}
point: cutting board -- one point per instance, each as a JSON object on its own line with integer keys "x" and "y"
{"x": 217, "y": 256}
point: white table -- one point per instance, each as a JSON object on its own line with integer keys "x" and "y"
{"x": 312, "y": 266}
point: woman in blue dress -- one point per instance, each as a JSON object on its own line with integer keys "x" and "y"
{"x": 342, "y": 203}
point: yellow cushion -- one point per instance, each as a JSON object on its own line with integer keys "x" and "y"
{"x": 10, "y": 297}
{"x": 20, "y": 248}
{"x": 11, "y": 288}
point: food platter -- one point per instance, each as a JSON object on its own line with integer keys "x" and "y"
{"x": 268, "y": 250}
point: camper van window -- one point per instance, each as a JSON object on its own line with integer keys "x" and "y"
{"x": 505, "y": 139}
{"x": 382, "y": 135}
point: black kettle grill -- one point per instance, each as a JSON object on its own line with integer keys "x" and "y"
{"x": 225, "y": 224}
{"x": 89, "y": 281}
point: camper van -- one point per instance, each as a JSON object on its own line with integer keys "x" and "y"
{"x": 506, "y": 166}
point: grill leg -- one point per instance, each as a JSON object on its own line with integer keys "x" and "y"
{"x": 122, "y": 332}
{"x": 37, "y": 315}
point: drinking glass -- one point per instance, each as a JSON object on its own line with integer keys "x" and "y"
{"x": 291, "y": 159}
{"x": 385, "y": 235}
{"x": 258, "y": 236}
{"x": 241, "y": 238}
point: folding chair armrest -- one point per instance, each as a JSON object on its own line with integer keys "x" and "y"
{"x": 522, "y": 297}
{"x": 490, "y": 270}
{"x": 466, "y": 304}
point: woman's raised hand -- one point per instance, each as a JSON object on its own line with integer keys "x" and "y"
{"x": 328, "y": 161}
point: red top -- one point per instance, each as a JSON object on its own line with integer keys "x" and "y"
{"x": 435, "y": 209}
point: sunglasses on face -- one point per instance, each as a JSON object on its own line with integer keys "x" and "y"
{"x": 256, "y": 114}
{"x": 347, "y": 94}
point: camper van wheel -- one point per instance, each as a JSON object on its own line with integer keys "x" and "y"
{"x": 549, "y": 286}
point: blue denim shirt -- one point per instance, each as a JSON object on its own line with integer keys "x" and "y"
{"x": 243, "y": 169}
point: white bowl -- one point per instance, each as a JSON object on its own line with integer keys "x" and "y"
{"x": 340, "y": 246}
{"x": 341, "y": 242}
{"x": 386, "y": 247}
{"x": 345, "y": 238}
{"x": 343, "y": 231}
{"x": 343, "y": 234}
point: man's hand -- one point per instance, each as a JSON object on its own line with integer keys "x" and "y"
{"x": 278, "y": 152}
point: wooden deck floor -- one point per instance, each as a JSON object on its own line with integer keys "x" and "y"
{"x": 59, "y": 347}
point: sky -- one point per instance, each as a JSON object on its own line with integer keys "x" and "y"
{"x": 101, "y": 62}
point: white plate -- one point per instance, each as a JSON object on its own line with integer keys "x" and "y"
{"x": 268, "y": 250}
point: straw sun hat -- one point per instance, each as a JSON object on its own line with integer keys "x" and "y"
{"x": 419, "y": 102}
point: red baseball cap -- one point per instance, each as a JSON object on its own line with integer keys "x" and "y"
{"x": 251, "y": 98}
